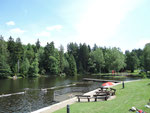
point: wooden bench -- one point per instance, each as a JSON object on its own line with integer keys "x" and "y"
{"x": 103, "y": 88}
{"x": 102, "y": 92}
{"x": 83, "y": 97}
{"x": 101, "y": 96}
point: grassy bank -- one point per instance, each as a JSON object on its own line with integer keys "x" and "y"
{"x": 13, "y": 78}
{"x": 135, "y": 94}
{"x": 118, "y": 74}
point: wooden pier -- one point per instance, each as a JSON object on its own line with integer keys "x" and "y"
{"x": 100, "y": 80}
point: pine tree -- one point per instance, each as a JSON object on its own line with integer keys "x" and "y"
{"x": 37, "y": 45}
{"x": 16, "y": 52}
{"x": 51, "y": 59}
{"x": 24, "y": 68}
{"x": 72, "y": 49}
{"x": 72, "y": 66}
{"x": 12, "y": 57}
{"x": 19, "y": 51}
{"x": 66, "y": 64}
{"x": 29, "y": 53}
{"x": 83, "y": 55}
{"x": 4, "y": 67}
{"x": 61, "y": 57}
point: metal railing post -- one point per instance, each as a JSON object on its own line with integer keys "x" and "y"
{"x": 123, "y": 84}
{"x": 68, "y": 109}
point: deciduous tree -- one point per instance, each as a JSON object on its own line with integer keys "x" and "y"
{"x": 147, "y": 57}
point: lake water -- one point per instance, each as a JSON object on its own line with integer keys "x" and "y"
{"x": 30, "y": 94}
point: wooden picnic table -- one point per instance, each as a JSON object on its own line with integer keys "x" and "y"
{"x": 83, "y": 97}
{"x": 101, "y": 96}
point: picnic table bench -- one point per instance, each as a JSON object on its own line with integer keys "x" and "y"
{"x": 83, "y": 97}
{"x": 102, "y": 92}
{"x": 101, "y": 96}
{"x": 112, "y": 91}
{"x": 103, "y": 88}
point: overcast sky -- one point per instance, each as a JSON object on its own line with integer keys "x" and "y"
{"x": 120, "y": 23}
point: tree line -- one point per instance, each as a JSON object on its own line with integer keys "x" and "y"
{"x": 34, "y": 60}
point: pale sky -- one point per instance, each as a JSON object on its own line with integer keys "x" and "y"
{"x": 111, "y": 23}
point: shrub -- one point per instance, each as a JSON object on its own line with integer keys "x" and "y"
{"x": 143, "y": 74}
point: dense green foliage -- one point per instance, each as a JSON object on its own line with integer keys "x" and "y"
{"x": 147, "y": 57}
{"x": 134, "y": 94}
{"x": 114, "y": 59}
{"x": 98, "y": 59}
{"x": 72, "y": 65}
{"x": 34, "y": 60}
{"x": 4, "y": 67}
{"x": 132, "y": 61}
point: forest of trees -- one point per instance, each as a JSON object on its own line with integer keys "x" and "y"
{"x": 34, "y": 60}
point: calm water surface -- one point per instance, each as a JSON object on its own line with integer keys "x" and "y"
{"x": 26, "y": 95}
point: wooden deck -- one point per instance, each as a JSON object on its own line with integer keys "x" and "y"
{"x": 100, "y": 80}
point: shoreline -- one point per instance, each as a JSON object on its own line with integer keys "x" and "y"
{"x": 70, "y": 101}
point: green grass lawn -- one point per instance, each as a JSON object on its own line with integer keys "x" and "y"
{"x": 135, "y": 94}
{"x": 136, "y": 73}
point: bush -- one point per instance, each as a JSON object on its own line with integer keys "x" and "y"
{"x": 143, "y": 74}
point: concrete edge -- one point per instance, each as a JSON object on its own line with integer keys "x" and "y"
{"x": 63, "y": 104}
